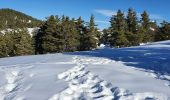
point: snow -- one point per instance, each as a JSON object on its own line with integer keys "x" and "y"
{"x": 134, "y": 73}
{"x": 151, "y": 28}
{"x": 31, "y": 31}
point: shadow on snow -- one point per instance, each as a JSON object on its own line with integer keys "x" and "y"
{"x": 149, "y": 58}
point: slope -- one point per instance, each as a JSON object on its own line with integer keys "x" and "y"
{"x": 10, "y": 18}
{"x": 104, "y": 74}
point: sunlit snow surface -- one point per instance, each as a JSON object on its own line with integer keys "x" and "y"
{"x": 135, "y": 73}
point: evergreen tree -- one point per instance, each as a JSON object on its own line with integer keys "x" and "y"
{"x": 153, "y": 31}
{"x": 80, "y": 29}
{"x": 132, "y": 21}
{"x": 23, "y": 43}
{"x": 133, "y": 39}
{"x": 118, "y": 21}
{"x": 132, "y": 25}
{"x": 118, "y": 28}
{"x": 59, "y": 36}
{"x": 3, "y": 48}
{"x": 91, "y": 35}
{"x": 105, "y": 36}
{"x": 46, "y": 40}
{"x": 121, "y": 40}
{"x": 9, "y": 43}
{"x": 165, "y": 31}
{"x": 145, "y": 20}
{"x": 71, "y": 35}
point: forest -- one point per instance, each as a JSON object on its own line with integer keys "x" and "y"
{"x": 59, "y": 34}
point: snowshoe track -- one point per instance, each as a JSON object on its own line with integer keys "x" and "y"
{"x": 14, "y": 79}
{"x": 83, "y": 85}
{"x": 8, "y": 91}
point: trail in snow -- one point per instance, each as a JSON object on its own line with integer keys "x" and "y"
{"x": 14, "y": 79}
{"x": 84, "y": 85}
{"x": 8, "y": 91}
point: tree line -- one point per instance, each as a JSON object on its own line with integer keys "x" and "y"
{"x": 64, "y": 34}
{"x": 56, "y": 34}
{"x": 132, "y": 29}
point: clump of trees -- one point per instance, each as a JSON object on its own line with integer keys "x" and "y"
{"x": 16, "y": 43}
{"x": 66, "y": 35}
{"x": 129, "y": 30}
{"x": 56, "y": 34}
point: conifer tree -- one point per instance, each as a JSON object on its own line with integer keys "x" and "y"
{"x": 118, "y": 21}
{"x": 9, "y": 43}
{"x": 132, "y": 24}
{"x": 90, "y": 38}
{"x": 105, "y": 36}
{"x": 165, "y": 31}
{"x": 80, "y": 29}
{"x": 72, "y": 36}
{"x": 145, "y": 20}
{"x": 3, "y": 48}
{"x": 132, "y": 21}
{"x": 46, "y": 40}
{"x": 121, "y": 40}
{"x": 59, "y": 36}
{"x": 23, "y": 43}
{"x": 118, "y": 28}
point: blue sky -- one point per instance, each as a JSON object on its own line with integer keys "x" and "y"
{"x": 102, "y": 9}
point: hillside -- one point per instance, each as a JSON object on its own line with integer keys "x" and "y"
{"x": 135, "y": 73}
{"x": 14, "y": 19}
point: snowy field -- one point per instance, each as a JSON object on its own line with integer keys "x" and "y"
{"x": 135, "y": 73}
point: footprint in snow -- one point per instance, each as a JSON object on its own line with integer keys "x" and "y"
{"x": 83, "y": 85}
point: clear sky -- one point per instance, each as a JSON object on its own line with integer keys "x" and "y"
{"x": 102, "y": 9}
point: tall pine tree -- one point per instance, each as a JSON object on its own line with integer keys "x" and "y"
{"x": 118, "y": 28}
{"x": 23, "y": 43}
{"x": 145, "y": 21}
{"x": 132, "y": 21}
{"x": 47, "y": 40}
{"x": 91, "y": 37}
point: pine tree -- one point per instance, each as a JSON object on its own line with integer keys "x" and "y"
{"x": 132, "y": 21}
{"x": 145, "y": 20}
{"x": 91, "y": 37}
{"x": 3, "y": 48}
{"x": 118, "y": 21}
{"x": 121, "y": 40}
{"x": 80, "y": 29}
{"x": 132, "y": 24}
{"x": 23, "y": 43}
{"x": 118, "y": 29}
{"x": 59, "y": 36}
{"x": 165, "y": 31}
{"x": 9, "y": 43}
{"x": 153, "y": 31}
{"x": 47, "y": 40}
{"x": 105, "y": 36}
{"x": 71, "y": 35}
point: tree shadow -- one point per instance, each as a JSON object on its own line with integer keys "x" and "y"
{"x": 155, "y": 59}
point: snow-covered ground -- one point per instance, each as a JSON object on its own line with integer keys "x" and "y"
{"x": 135, "y": 73}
